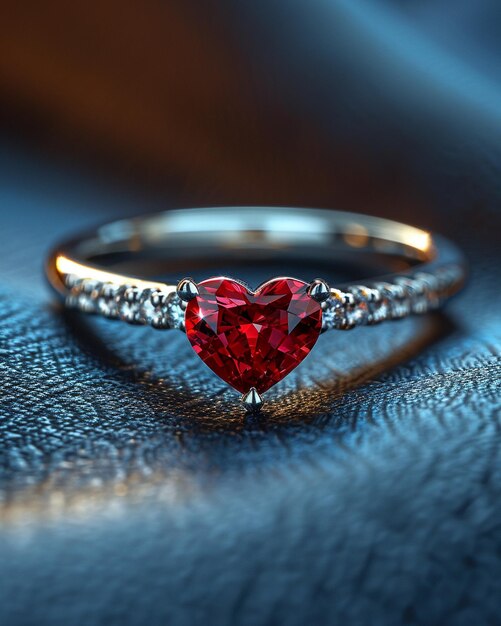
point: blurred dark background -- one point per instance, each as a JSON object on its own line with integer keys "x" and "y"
{"x": 131, "y": 489}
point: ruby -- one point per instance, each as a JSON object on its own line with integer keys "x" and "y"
{"x": 253, "y": 339}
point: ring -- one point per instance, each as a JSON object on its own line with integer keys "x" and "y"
{"x": 252, "y": 339}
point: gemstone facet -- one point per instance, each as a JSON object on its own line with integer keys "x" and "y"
{"x": 253, "y": 339}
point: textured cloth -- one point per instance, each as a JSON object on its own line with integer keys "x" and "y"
{"x": 134, "y": 491}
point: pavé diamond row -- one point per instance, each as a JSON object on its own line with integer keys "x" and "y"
{"x": 345, "y": 309}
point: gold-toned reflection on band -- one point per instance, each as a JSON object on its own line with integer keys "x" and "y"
{"x": 68, "y": 267}
{"x": 358, "y": 236}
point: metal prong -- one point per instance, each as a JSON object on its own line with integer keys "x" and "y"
{"x": 319, "y": 290}
{"x": 252, "y": 400}
{"x": 157, "y": 298}
{"x": 187, "y": 289}
{"x": 348, "y": 299}
{"x": 131, "y": 295}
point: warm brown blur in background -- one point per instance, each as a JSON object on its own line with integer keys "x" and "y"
{"x": 220, "y": 102}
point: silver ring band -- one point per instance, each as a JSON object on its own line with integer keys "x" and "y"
{"x": 81, "y": 270}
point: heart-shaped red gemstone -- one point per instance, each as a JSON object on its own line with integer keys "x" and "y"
{"x": 253, "y": 339}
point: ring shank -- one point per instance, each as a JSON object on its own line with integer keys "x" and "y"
{"x": 80, "y": 269}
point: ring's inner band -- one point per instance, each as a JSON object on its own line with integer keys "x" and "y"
{"x": 181, "y": 239}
